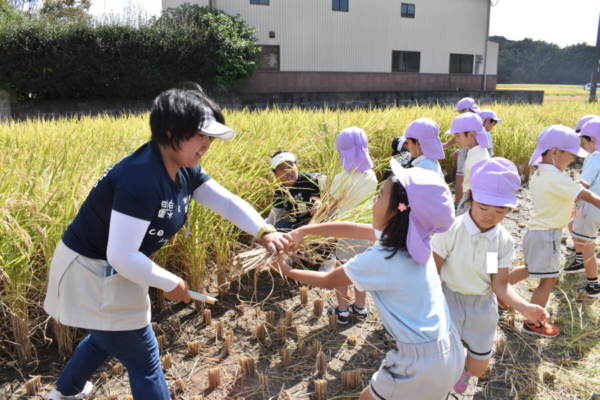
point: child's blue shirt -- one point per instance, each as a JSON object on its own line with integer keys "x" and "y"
{"x": 591, "y": 171}
{"x": 408, "y": 296}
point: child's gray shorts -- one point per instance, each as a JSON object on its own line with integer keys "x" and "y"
{"x": 460, "y": 163}
{"x": 541, "y": 250}
{"x": 475, "y": 318}
{"x": 420, "y": 371}
{"x": 587, "y": 223}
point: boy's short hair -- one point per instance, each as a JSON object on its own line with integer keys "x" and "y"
{"x": 177, "y": 114}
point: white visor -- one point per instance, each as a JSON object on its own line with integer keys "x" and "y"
{"x": 400, "y": 143}
{"x": 282, "y": 157}
{"x": 213, "y": 128}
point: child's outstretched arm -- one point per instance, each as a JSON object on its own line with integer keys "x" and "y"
{"x": 506, "y": 293}
{"x": 588, "y": 197}
{"x": 343, "y": 230}
{"x": 330, "y": 280}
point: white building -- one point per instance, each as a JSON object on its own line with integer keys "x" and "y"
{"x": 367, "y": 45}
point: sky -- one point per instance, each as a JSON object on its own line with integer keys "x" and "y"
{"x": 555, "y": 21}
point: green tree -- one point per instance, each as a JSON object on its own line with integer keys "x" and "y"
{"x": 66, "y": 11}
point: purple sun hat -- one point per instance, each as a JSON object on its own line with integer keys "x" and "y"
{"x": 431, "y": 208}
{"x": 427, "y": 132}
{"x": 495, "y": 181}
{"x": 557, "y": 137}
{"x": 467, "y": 103}
{"x": 353, "y": 145}
{"x": 469, "y": 122}
{"x": 583, "y": 120}
{"x": 592, "y": 128}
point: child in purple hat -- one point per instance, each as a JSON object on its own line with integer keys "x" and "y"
{"x": 465, "y": 105}
{"x": 490, "y": 120}
{"x": 400, "y": 274}
{"x": 583, "y": 120}
{"x": 584, "y": 228}
{"x": 351, "y": 188}
{"x": 553, "y": 195}
{"x": 423, "y": 138}
{"x": 474, "y": 257}
{"x": 470, "y": 135}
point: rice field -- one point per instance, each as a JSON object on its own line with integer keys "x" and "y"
{"x": 50, "y": 166}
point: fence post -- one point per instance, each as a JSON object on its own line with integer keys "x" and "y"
{"x": 6, "y": 98}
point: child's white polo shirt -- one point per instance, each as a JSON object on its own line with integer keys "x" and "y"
{"x": 591, "y": 172}
{"x": 474, "y": 154}
{"x": 553, "y": 195}
{"x": 466, "y": 249}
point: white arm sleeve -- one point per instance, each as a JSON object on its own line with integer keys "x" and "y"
{"x": 220, "y": 200}
{"x": 123, "y": 253}
{"x": 274, "y": 215}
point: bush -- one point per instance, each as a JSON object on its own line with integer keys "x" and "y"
{"x": 192, "y": 43}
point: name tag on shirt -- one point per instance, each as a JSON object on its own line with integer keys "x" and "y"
{"x": 492, "y": 262}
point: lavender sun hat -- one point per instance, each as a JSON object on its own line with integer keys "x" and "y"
{"x": 470, "y": 122}
{"x": 583, "y": 120}
{"x": 427, "y": 132}
{"x": 431, "y": 208}
{"x": 495, "y": 181}
{"x": 467, "y": 103}
{"x": 557, "y": 137}
{"x": 592, "y": 129}
{"x": 487, "y": 113}
{"x": 353, "y": 145}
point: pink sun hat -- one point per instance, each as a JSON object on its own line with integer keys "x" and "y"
{"x": 431, "y": 208}
{"x": 583, "y": 120}
{"x": 469, "y": 122}
{"x": 495, "y": 181}
{"x": 427, "y": 132}
{"x": 557, "y": 137}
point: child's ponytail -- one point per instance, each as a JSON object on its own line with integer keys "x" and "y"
{"x": 395, "y": 233}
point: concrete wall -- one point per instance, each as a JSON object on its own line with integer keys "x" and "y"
{"x": 57, "y": 108}
{"x": 312, "y": 37}
{"x": 291, "y": 82}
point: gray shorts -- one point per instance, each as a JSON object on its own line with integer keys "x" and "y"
{"x": 420, "y": 371}
{"x": 475, "y": 318}
{"x": 460, "y": 163}
{"x": 541, "y": 250}
{"x": 587, "y": 223}
{"x": 349, "y": 248}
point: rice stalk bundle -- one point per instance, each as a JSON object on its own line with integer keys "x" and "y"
{"x": 193, "y": 348}
{"x": 248, "y": 367}
{"x": 286, "y": 357}
{"x": 167, "y": 361}
{"x": 207, "y": 315}
{"x": 321, "y": 363}
{"x": 321, "y": 389}
{"x": 318, "y": 307}
{"x": 214, "y": 377}
{"x": 33, "y": 386}
{"x": 270, "y": 317}
{"x": 351, "y": 379}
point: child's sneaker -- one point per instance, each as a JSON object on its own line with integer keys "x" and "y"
{"x": 87, "y": 390}
{"x": 343, "y": 317}
{"x": 546, "y": 330}
{"x": 360, "y": 314}
{"x": 592, "y": 291}
{"x": 463, "y": 382}
{"x": 574, "y": 268}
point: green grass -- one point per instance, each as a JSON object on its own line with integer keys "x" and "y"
{"x": 549, "y": 90}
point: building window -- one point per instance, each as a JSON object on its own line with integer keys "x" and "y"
{"x": 406, "y": 61}
{"x": 461, "y": 63}
{"x": 269, "y": 58}
{"x": 408, "y": 10}
{"x": 261, "y": 2}
{"x": 340, "y": 5}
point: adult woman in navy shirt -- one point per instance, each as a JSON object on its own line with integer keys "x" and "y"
{"x": 101, "y": 270}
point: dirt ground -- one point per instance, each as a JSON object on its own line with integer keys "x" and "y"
{"x": 358, "y": 346}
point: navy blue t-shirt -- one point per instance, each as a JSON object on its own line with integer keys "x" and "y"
{"x": 139, "y": 186}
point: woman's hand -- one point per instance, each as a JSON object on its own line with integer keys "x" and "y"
{"x": 180, "y": 293}
{"x": 277, "y": 243}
